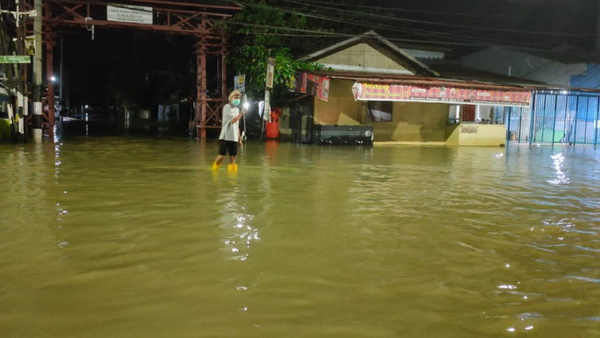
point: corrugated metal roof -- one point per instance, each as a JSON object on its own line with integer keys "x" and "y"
{"x": 446, "y": 82}
{"x": 417, "y": 80}
{"x": 448, "y": 75}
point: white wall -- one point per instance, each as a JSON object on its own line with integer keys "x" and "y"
{"x": 521, "y": 65}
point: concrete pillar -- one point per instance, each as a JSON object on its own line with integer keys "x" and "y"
{"x": 477, "y": 113}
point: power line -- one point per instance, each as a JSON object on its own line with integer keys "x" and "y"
{"x": 435, "y": 3}
{"x": 317, "y": 34}
{"x": 432, "y": 37}
{"x": 359, "y": 23}
{"x": 314, "y": 10}
{"x": 414, "y": 31}
{"x": 433, "y": 23}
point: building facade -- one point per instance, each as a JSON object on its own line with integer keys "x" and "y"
{"x": 373, "y": 91}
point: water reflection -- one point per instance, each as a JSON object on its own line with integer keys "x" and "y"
{"x": 558, "y": 163}
{"x": 237, "y": 223}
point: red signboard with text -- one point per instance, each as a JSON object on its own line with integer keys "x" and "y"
{"x": 392, "y": 92}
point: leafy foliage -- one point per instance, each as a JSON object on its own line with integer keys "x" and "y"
{"x": 262, "y": 31}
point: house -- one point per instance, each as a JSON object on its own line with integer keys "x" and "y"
{"x": 524, "y": 66}
{"x": 565, "y": 104}
{"x": 374, "y": 91}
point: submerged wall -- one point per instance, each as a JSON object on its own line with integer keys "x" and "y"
{"x": 411, "y": 122}
{"x": 340, "y": 108}
{"x": 481, "y": 135}
{"x": 5, "y": 130}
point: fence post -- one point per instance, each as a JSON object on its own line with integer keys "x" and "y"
{"x": 532, "y": 122}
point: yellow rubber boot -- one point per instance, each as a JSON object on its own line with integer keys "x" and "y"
{"x": 232, "y": 167}
{"x": 215, "y": 166}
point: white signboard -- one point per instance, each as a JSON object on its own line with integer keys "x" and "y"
{"x": 128, "y": 13}
{"x": 266, "y": 113}
{"x": 239, "y": 83}
{"x": 270, "y": 72}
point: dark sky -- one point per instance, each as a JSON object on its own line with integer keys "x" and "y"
{"x": 563, "y": 29}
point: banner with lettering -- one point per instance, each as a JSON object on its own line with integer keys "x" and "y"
{"x": 393, "y": 92}
{"x": 316, "y": 85}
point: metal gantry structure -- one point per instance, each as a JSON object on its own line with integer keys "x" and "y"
{"x": 172, "y": 17}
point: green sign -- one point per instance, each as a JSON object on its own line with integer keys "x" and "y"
{"x": 15, "y": 59}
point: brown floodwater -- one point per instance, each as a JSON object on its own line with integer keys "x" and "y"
{"x": 137, "y": 237}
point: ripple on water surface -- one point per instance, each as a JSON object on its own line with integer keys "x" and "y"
{"x": 140, "y": 237}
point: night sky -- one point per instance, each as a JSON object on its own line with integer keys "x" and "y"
{"x": 564, "y": 30}
{"x": 561, "y": 29}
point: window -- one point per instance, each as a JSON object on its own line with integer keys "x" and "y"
{"x": 482, "y": 114}
{"x": 468, "y": 113}
{"x": 379, "y": 111}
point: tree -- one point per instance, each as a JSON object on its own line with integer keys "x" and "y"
{"x": 261, "y": 31}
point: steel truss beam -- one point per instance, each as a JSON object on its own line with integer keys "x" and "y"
{"x": 168, "y": 17}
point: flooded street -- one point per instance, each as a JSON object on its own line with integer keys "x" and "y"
{"x": 137, "y": 237}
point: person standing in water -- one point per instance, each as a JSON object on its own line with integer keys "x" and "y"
{"x": 229, "y": 138}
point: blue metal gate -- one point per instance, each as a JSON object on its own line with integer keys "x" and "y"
{"x": 556, "y": 117}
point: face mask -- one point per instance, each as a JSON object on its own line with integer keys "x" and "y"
{"x": 236, "y": 102}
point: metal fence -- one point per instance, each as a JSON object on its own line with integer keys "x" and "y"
{"x": 556, "y": 117}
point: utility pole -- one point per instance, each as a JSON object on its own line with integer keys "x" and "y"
{"x": 37, "y": 74}
{"x": 21, "y": 112}
{"x": 60, "y": 74}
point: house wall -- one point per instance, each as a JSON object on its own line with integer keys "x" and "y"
{"x": 340, "y": 108}
{"x": 453, "y": 135}
{"x": 413, "y": 122}
{"x": 362, "y": 57}
{"x": 481, "y": 135}
{"x": 511, "y": 63}
{"x": 5, "y": 129}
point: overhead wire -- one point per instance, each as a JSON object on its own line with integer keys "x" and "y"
{"x": 378, "y": 26}
{"x": 395, "y": 39}
{"x": 436, "y": 35}
{"x": 538, "y": 40}
{"x": 462, "y": 39}
{"x": 354, "y": 23}
{"x": 408, "y": 40}
{"x": 439, "y": 38}
{"x": 320, "y": 5}
{"x": 434, "y": 23}
{"x": 436, "y": 3}
{"x": 470, "y": 3}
